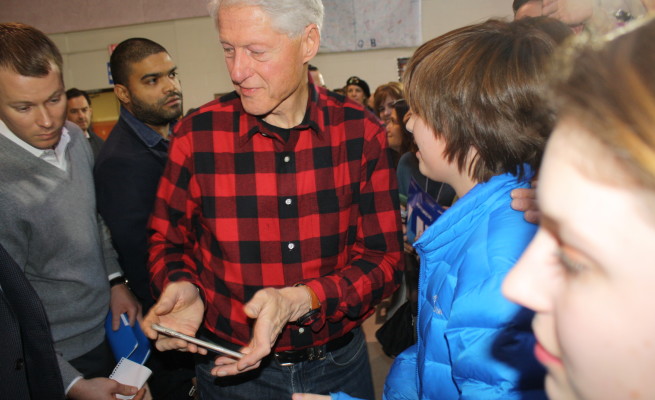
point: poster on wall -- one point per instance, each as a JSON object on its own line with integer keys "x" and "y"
{"x": 353, "y": 25}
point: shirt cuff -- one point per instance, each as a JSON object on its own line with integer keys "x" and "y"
{"x": 73, "y": 382}
{"x": 114, "y": 275}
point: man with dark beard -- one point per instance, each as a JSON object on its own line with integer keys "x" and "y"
{"x": 127, "y": 172}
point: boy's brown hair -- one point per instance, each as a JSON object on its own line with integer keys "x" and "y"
{"x": 481, "y": 87}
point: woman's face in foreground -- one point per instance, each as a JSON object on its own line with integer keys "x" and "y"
{"x": 589, "y": 274}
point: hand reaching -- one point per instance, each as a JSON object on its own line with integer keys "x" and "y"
{"x": 272, "y": 309}
{"x": 180, "y": 307}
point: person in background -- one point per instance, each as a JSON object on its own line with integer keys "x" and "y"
{"x": 400, "y": 141}
{"x": 554, "y": 28}
{"x": 357, "y": 90}
{"x": 588, "y": 274}
{"x": 276, "y": 229}
{"x": 317, "y": 77}
{"x": 384, "y": 97}
{"x": 469, "y": 97}
{"x": 127, "y": 172}
{"x": 48, "y": 219}
{"x": 79, "y": 111}
{"x": 526, "y": 8}
{"x": 597, "y": 17}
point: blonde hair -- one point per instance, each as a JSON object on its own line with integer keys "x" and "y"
{"x": 609, "y": 89}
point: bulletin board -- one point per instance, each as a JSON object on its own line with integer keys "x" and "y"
{"x": 353, "y": 25}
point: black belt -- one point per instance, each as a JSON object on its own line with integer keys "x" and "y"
{"x": 290, "y": 357}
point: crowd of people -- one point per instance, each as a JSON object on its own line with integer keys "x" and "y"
{"x": 273, "y": 221}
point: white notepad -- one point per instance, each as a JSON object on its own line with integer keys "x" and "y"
{"x": 130, "y": 373}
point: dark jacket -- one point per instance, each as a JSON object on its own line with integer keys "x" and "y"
{"x": 28, "y": 364}
{"x": 127, "y": 173}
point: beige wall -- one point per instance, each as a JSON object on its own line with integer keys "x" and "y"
{"x": 193, "y": 44}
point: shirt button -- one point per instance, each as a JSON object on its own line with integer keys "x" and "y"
{"x": 20, "y": 363}
{"x": 301, "y": 330}
{"x": 287, "y": 158}
{"x": 287, "y": 202}
{"x": 291, "y": 246}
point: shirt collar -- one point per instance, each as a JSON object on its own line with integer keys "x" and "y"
{"x": 312, "y": 115}
{"x": 59, "y": 149}
{"x": 147, "y": 135}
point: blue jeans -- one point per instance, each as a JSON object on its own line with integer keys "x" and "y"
{"x": 346, "y": 370}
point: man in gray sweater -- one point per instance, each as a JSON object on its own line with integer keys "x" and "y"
{"x": 48, "y": 219}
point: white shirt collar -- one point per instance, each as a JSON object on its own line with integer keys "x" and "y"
{"x": 58, "y": 161}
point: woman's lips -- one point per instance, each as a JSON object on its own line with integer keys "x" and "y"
{"x": 544, "y": 356}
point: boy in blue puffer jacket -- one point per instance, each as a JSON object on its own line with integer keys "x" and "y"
{"x": 480, "y": 124}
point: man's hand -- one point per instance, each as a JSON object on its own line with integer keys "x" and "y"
{"x": 309, "y": 396}
{"x": 525, "y": 200}
{"x": 123, "y": 301}
{"x": 272, "y": 309}
{"x": 571, "y": 12}
{"x": 102, "y": 389}
{"x": 179, "y": 308}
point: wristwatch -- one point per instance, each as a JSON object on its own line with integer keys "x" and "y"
{"x": 314, "y": 309}
{"x": 119, "y": 280}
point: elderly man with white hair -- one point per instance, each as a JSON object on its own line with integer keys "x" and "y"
{"x": 276, "y": 228}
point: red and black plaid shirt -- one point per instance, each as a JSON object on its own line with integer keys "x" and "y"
{"x": 243, "y": 205}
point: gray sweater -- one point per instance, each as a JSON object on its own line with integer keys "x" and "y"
{"x": 49, "y": 225}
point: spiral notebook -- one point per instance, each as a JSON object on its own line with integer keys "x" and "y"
{"x": 130, "y": 373}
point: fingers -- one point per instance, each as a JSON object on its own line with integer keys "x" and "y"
{"x": 125, "y": 390}
{"x": 226, "y": 366}
{"x": 309, "y": 396}
{"x": 532, "y": 216}
{"x": 133, "y": 313}
{"x": 523, "y": 205}
{"x": 115, "y": 319}
{"x": 146, "y": 326}
{"x": 523, "y": 193}
{"x": 140, "y": 395}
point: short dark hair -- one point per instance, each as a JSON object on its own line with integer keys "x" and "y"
{"x": 482, "y": 87}
{"x": 27, "y": 51}
{"x": 128, "y": 52}
{"x": 75, "y": 92}
{"x": 312, "y": 67}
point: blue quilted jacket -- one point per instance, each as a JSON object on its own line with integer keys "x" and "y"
{"x": 472, "y": 342}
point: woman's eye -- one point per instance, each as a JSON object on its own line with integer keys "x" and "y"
{"x": 572, "y": 266}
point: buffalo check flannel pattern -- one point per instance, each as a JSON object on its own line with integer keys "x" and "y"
{"x": 243, "y": 205}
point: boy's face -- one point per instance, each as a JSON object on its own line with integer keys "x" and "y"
{"x": 431, "y": 157}
{"x": 33, "y": 108}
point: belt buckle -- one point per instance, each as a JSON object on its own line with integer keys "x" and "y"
{"x": 283, "y": 364}
{"x": 310, "y": 354}
{"x": 316, "y": 353}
